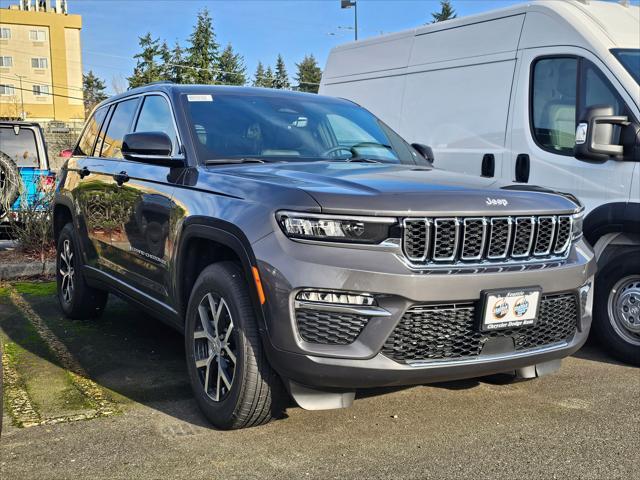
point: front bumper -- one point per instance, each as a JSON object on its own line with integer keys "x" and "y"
{"x": 295, "y": 266}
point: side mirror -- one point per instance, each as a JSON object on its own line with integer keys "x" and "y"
{"x": 594, "y": 134}
{"x": 150, "y": 147}
{"x": 425, "y": 151}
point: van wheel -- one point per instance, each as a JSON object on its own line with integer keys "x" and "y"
{"x": 77, "y": 299}
{"x": 231, "y": 378}
{"x": 617, "y": 307}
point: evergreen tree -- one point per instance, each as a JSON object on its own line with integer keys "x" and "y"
{"x": 165, "y": 61}
{"x": 202, "y": 54}
{"x": 269, "y": 78}
{"x": 147, "y": 69}
{"x": 258, "y": 77}
{"x": 178, "y": 73}
{"x": 446, "y": 12}
{"x": 309, "y": 74}
{"x": 281, "y": 79}
{"x": 93, "y": 91}
{"x": 231, "y": 69}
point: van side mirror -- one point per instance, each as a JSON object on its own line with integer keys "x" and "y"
{"x": 425, "y": 151}
{"x": 150, "y": 147}
{"x": 594, "y": 134}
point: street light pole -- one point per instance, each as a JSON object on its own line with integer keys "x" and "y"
{"x": 348, "y": 4}
{"x": 20, "y": 77}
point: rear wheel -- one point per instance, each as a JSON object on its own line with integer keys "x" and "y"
{"x": 77, "y": 299}
{"x": 617, "y": 307}
{"x": 231, "y": 378}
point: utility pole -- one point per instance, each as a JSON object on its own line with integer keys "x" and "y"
{"x": 20, "y": 77}
{"x": 348, "y": 4}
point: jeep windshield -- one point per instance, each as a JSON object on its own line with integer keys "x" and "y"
{"x": 630, "y": 59}
{"x": 228, "y": 127}
{"x": 19, "y": 144}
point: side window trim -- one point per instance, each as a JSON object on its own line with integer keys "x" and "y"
{"x": 532, "y": 69}
{"x": 103, "y": 130}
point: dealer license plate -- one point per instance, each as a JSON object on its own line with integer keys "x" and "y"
{"x": 510, "y": 308}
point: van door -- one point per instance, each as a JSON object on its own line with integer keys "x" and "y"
{"x": 141, "y": 249}
{"x": 555, "y": 86}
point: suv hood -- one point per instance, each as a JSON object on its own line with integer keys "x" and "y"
{"x": 389, "y": 189}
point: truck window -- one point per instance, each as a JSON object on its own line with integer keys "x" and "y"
{"x": 20, "y": 147}
{"x": 119, "y": 126}
{"x": 88, "y": 138}
{"x": 155, "y": 116}
{"x": 553, "y": 103}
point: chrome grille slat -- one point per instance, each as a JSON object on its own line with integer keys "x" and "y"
{"x": 465, "y": 241}
{"x": 564, "y": 231}
{"x": 545, "y": 231}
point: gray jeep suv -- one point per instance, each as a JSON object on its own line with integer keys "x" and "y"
{"x": 303, "y": 247}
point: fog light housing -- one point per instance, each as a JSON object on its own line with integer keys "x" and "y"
{"x": 336, "y": 298}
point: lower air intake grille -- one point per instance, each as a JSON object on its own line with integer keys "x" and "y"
{"x": 437, "y": 332}
{"x": 329, "y": 328}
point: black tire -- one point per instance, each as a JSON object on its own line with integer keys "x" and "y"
{"x": 619, "y": 342}
{"x": 256, "y": 395}
{"x": 9, "y": 182}
{"x": 80, "y": 301}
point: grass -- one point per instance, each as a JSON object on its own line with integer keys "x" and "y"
{"x": 34, "y": 288}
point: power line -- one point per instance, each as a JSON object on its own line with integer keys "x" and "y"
{"x": 47, "y": 93}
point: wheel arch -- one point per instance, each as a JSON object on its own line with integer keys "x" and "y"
{"x": 199, "y": 238}
{"x": 613, "y": 224}
{"x": 62, "y": 214}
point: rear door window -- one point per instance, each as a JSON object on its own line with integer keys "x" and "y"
{"x": 21, "y": 147}
{"x": 90, "y": 133}
{"x": 119, "y": 126}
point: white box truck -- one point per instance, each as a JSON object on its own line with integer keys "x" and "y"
{"x": 545, "y": 93}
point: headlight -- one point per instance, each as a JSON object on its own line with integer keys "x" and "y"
{"x": 577, "y": 225}
{"x": 334, "y": 228}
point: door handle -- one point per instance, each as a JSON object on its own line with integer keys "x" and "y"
{"x": 121, "y": 178}
{"x": 85, "y": 172}
{"x": 523, "y": 167}
{"x": 488, "y": 165}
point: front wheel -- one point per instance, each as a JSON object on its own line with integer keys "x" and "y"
{"x": 231, "y": 378}
{"x": 617, "y": 307}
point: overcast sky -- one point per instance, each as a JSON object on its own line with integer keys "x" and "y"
{"x": 258, "y": 29}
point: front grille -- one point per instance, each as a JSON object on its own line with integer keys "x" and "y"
{"x": 329, "y": 328}
{"x": 441, "y": 332}
{"x": 449, "y": 241}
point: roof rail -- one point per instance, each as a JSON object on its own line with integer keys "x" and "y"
{"x": 159, "y": 82}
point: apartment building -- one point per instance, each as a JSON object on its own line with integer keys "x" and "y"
{"x": 40, "y": 62}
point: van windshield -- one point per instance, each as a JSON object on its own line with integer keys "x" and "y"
{"x": 290, "y": 128}
{"x": 630, "y": 59}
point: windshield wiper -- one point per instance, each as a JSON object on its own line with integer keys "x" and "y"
{"x": 361, "y": 160}
{"x": 232, "y": 161}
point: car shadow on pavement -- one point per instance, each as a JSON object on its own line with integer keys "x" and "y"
{"x": 137, "y": 358}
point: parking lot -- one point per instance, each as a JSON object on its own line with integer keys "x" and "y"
{"x": 109, "y": 398}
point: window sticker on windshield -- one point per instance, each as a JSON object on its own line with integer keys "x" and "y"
{"x": 200, "y": 98}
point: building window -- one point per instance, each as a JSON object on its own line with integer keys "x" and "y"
{"x": 39, "y": 63}
{"x": 40, "y": 90}
{"x": 37, "y": 35}
{"x": 7, "y": 90}
{"x": 5, "y": 33}
{"x": 6, "y": 61}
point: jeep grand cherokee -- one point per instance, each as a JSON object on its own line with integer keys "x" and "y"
{"x": 303, "y": 247}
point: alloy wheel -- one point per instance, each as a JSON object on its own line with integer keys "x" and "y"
{"x": 67, "y": 271}
{"x": 215, "y": 347}
{"x": 624, "y": 308}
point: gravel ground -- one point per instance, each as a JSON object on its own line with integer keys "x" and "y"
{"x": 582, "y": 422}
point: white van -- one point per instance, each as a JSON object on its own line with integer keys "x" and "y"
{"x": 547, "y": 94}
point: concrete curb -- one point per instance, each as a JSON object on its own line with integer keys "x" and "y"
{"x": 14, "y": 271}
